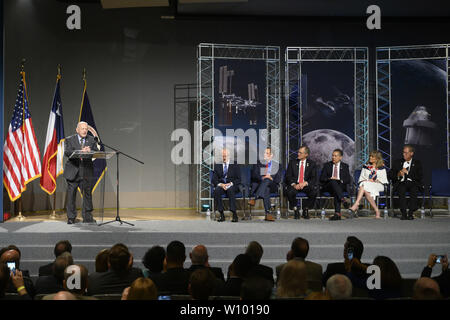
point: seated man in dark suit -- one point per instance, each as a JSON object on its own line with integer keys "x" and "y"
{"x": 12, "y": 253}
{"x": 255, "y": 251}
{"x": 60, "y": 247}
{"x": 334, "y": 178}
{"x": 202, "y": 284}
{"x": 119, "y": 276}
{"x": 175, "y": 279}
{"x": 301, "y": 177}
{"x": 199, "y": 258}
{"x": 265, "y": 178}
{"x": 54, "y": 282}
{"x": 357, "y": 249}
{"x": 226, "y": 179}
{"x": 237, "y": 273}
{"x": 406, "y": 176}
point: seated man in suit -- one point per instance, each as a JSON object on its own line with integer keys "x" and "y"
{"x": 120, "y": 274}
{"x": 406, "y": 176}
{"x": 237, "y": 273}
{"x": 299, "y": 251}
{"x": 265, "y": 178}
{"x": 60, "y": 247}
{"x": 334, "y": 178}
{"x": 255, "y": 251}
{"x": 175, "y": 279}
{"x": 301, "y": 177}
{"x": 54, "y": 282}
{"x": 199, "y": 258}
{"x": 357, "y": 249}
{"x": 226, "y": 179}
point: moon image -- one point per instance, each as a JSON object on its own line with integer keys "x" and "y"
{"x": 322, "y": 142}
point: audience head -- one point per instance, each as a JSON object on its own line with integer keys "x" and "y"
{"x": 83, "y": 271}
{"x": 241, "y": 266}
{"x": 336, "y": 156}
{"x": 390, "y": 275}
{"x": 426, "y": 289}
{"x": 62, "y": 246}
{"x": 11, "y": 253}
{"x": 4, "y": 278}
{"x": 142, "y": 289}
{"x": 303, "y": 153}
{"x": 64, "y": 295}
{"x": 300, "y": 248}
{"x": 61, "y": 263}
{"x": 119, "y": 258}
{"x": 339, "y": 287}
{"x": 153, "y": 259}
{"x": 201, "y": 284}
{"x": 255, "y": 251}
{"x": 356, "y": 245}
{"x": 256, "y": 288}
{"x": 199, "y": 255}
{"x": 101, "y": 261}
{"x": 408, "y": 152}
{"x": 175, "y": 254}
{"x": 376, "y": 156}
{"x": 292, "y": 282}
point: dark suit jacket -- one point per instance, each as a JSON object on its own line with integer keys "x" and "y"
{"x": 217, "y": 271}
{"x": 46, "y": 270}
{"x": 72, "y": 166}
{"x": 110, "y": 282}
{"x": 310, "y": 173}
{"x": 415, "y": 172}
{"x": 173, "y": 281}
{"x": 48, "y": 284}
{"x": 232, "y": 287}
{"x": 233, "y": 175}
{"x": 262, "y": 271}
{"x": 327, "y": 173}
{"x": 334, "y": 268}
{"x": 256, "y": 175}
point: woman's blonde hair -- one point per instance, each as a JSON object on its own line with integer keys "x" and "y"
{"x": 143, "y": 289}
{"x": 378, "y": 156}
{"x": 292, "y": 281}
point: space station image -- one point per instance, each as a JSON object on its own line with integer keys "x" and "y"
{"x": 230, "y": 103}
{"x": 419, "y": 127}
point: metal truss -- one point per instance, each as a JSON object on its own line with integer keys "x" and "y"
{"x": 295, "y": 56}
{"x": 206, "y": 54}
{"x": 384, "y": 57}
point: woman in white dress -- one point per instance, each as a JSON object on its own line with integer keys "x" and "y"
{"x": 371, "y": 182}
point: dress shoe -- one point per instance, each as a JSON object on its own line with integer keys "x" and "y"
{"x": 305, "y": 214}
{"x": 235, "y": 218}
{"x": 410, "y": 217}
{"x": 296, "y": 214}
{"x": 71, "y": 221}
{"x": 335, "y": 217}
{"x": 269, "y": 217}
{"x": 251, "y": 202}
{"x": 90, "y": 221}
{"x": 403, "y": 217}
{"x": 222, "y": 217}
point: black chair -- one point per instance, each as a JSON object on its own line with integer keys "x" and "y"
{"x": 239, "y": 195}
{"x": 273, "y": 195}
{"x": 440, "y": 185}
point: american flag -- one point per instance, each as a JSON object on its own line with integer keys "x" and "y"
{"x": 21, "y": 155}
{"x": 54, "y": 144}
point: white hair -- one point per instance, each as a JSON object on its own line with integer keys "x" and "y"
{"x": 339, "y": 287}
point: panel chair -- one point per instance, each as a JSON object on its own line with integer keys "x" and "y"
{"x": 440, "y": 185}
{"x": 242, "y": 194}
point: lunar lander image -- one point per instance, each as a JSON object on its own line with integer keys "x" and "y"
{"x": 419, "y": 127}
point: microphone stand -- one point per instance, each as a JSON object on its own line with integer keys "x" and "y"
{"x": 117, "y": 181}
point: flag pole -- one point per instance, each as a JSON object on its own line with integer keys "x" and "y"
{"x": 53, "y": 214}
{"x": 20, "y": 217}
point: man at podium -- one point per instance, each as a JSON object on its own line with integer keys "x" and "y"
{"x": 78, "y": 173}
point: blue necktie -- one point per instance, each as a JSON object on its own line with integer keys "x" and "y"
{"x": 225, "y": 172}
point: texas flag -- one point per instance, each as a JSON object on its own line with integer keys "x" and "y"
{"x": 54, "y": 144}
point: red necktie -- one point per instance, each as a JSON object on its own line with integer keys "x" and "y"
{"x": 335, "y": 171}
{"x": 300, "y": 178}
{"x": 267, "y": 169}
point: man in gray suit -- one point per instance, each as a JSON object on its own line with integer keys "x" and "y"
{"x": 79, "y": 173}
{"x": 299, "y": 251}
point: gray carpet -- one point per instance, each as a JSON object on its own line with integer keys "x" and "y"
{"x": 408, "y": 243}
